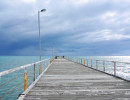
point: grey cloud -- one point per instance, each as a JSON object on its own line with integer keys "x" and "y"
{"x": 77, "y": 21}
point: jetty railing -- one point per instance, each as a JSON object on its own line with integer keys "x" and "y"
{"x": 21, "y": 76}
{"x": 115, "y": 68}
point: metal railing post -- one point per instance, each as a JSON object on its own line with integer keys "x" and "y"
{"x": 115, "y": 68}
{"x": 87, "y": 62}
{"x": 91, "y": 62}
{"x": 81, "y": 60}
{"x": 97, "y": 64}
{"x": 34, "y": 73}
{"x": 39, "y": 69}
{"x": 104, "y": 66}
{"x": 25, "y": 79}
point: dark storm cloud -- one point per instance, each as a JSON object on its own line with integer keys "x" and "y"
{"x": 81, "y": 27}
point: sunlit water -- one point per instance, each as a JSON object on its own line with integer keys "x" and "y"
{"x": 122, "y": 64}
{"x": 8, "y": 62}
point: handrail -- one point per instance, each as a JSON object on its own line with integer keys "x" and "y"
{"x": 33, "y": 65}
{"x": 101, "y": 66}
{"x": 18, "y": 68}
{"x": 108, "y": 61}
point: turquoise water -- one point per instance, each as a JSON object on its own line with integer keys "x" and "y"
{"x": 9, "y": 62}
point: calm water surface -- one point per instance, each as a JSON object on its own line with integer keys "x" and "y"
{"x": 8, "y": 62}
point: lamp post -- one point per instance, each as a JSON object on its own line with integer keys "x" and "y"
{"x": 43, "y": 10}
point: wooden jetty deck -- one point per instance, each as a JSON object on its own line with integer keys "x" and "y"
{"x": 66, "y": 80}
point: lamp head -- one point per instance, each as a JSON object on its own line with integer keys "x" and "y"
{"x": 43, "y": 10}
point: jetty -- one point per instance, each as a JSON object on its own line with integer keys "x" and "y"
{"x": 67, "y": 80}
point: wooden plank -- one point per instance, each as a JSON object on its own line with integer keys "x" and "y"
{"x": 66, "y": 80}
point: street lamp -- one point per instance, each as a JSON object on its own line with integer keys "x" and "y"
{"x": 43, "y": 10}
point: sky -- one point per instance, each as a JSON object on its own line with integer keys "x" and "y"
{"x": 71, "y": 27}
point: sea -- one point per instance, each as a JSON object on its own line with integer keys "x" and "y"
{"x": 16, "y": 85}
